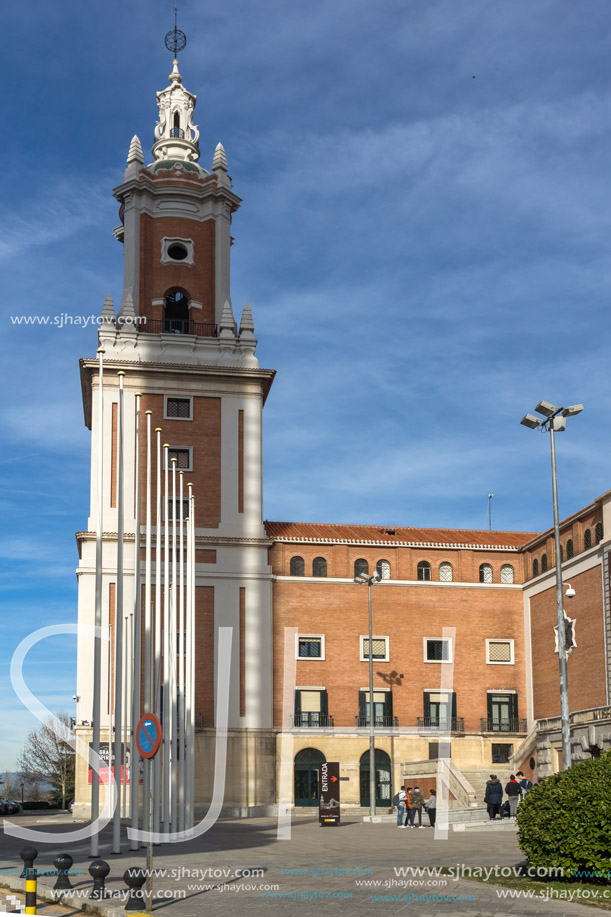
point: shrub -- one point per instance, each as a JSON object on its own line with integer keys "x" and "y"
{"x": 566, "y": 820}
{"x": 39, "y": 804}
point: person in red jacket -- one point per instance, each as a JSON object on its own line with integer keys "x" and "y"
{"x": 514, "y": 793}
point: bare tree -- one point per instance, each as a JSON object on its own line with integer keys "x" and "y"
{"x": 48, "y": 757}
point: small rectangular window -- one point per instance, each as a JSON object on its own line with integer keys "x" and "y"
{"x": 178, "y": 408}
{"x": 310, "y": 646}
{"x": 499, "y": 652}
{"x": 437, "y": 649}
{"x": 501, "y": 754}
{"x": 170, "y": 511}
{"x": 439, "y": 750}
{"x": 379, "y": 649}
{"x": 183, "y": 456}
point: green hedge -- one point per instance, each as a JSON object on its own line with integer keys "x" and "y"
{"x": 566, "y": 820}
{"x": 40, "y": 804}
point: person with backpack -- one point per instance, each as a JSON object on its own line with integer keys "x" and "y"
{"x": 514, "y": 794}
{"x": 493, "y": 796}
{"x": 525, "y": 784}
{"x": 417, "y": 801}
{"x": 409, "y": 811}
{"x": 398, "y": 800}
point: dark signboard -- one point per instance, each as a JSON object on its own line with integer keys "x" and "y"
{"x": 328, "y": 798}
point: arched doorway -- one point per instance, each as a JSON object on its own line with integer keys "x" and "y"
{"x": 306, "y": 776}
{"x": 382, "y": 778}
{"x": 176, "y": 313}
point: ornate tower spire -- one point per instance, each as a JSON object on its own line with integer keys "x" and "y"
{"x": 176, "y": 135}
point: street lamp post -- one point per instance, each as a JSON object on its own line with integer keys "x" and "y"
{"x": 554, "y": 421}
{"x": 364, "y": 579}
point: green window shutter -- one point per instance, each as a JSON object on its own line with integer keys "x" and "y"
{"x": 427, "y": 705}
{"x": 297, "y": 703}
{"x": 388, "y": 704}
{"x": 324, "y": 702}
{"x": 489, "y": 699}
{"x": 453, "y": 705}
{"x": 362, "y": 708}
{"x": 514, "y": 706}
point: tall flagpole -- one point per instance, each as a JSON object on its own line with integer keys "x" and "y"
{"x": 97, "y": 642}
{"x": 127, "y": 671}
{"x": 191, "y": 669}
{"x": 118, "y": 695}
{"x": 181, "y": 663}
{"x": 157, "y": 686}
{"x": 134, "y": 758}
{"x": 148, "y": 635}
{"x": 172, "y": 660}
{"x": 166, "y": 721}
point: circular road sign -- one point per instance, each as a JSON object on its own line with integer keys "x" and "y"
{"x": 148, "y": 735}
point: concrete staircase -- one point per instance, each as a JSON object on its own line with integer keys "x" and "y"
{"x": 478, "y": 780}
{"x": 474, "y": 818}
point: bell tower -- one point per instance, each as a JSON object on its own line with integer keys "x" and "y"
{"x": 175, "y": 338}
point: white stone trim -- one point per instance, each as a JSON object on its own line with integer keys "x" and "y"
{"x": 438, "y": 661}
{"x": 340, "y": 580}
{"x": 502, "y": 691}
{"x": 508, "y": 640}
{"x": 364, "y": 658}
{"x": 308, "y": 636}
{"x": 188, "y": 244}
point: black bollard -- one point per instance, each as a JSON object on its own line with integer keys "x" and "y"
{"x": 134, "y": 878}
{"x": 28, "y": 855}
{"x": 98, "y": 871}
{"x": 62, "y": 863}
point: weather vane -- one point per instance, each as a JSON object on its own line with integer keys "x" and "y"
{"x": 175, "y": 40}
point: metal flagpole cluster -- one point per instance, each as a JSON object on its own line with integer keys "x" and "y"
{"x": 151, "y": 666}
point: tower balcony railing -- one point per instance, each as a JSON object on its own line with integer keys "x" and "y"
{"x": 443, "y": 724}
{"x": 379, "y": 722}
{"x": 511, "y": 724}
{"x": 178, "y": 326}
{"x": 312, "y": 721}
{"x": 177, "y": 132}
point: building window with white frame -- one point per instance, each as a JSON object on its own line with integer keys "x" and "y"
{"x": 383, "y": 569}
{"x": 507, "y": 574}
{"x": 178, "y": 408}
{"x": 183, "y": 456}
{"x": 485, "y": 573}
{"x": 379, "y": 649}
{"x": 424, "y": 571}
{"x": 310, "y": 646}
{"x": 437, "y": 649}
{"x": 499, "y": 652}
{"x": 446, "y": 574}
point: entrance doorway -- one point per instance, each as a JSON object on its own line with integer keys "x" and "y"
{"x": 382, "y": 778}
{"x": 306, "y": 776}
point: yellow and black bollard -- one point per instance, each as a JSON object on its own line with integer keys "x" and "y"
{"x": 28, "y": 855}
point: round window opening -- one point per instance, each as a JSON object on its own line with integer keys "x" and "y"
{"x": 177, "y": 252}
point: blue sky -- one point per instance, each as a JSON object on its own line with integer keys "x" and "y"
{"x": 424, "y": 241}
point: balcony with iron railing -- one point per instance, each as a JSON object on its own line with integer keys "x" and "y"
{"x": 177, "y": 132}
{"x": 379, "y": 722}
{"x": 511, "y": 724}
{"x": 178, "y": 326}
{"x": 434, "y": 724}
{"x": 312, "y": 721}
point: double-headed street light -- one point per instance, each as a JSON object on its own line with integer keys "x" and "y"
{"x": 553, "y": 419}
{"x": 364, "y": 579}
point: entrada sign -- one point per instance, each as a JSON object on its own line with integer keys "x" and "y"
{"x": 328, "y": 793}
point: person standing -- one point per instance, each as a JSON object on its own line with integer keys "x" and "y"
{"x": 525, "y": 784}
{"x": 417, "y": 800}
{"x": 493, "y": 796}
{"x": 431, "y": 807}
{"x": 514, "y": 794}
{"x": 400, "y": 807}
{"x": 409, "y": 812}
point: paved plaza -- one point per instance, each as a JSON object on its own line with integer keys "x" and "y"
{"x": 318, "y": 870}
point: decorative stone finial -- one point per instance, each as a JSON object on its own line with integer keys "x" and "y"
{"x": 108, "y": 311}
{"x": 127, "y": 313}
{"x": 219, "y": 162}
{"x": 135, "y": 151}
{"x": 227, "y": 323}
{"x": 246, "y": 322}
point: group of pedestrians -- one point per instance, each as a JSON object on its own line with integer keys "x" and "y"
{"x": 516, "y": 788}
{"x": 410, "y": 802}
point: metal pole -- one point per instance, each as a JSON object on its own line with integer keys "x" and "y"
{"x": 156, "y": 771}
{"x": 172, "y": 663}
{"x": 148, "y": 641}
{"x": 97, "y": 643}
{"x": 118, "y": 695}
{"x": 134, "y": 757}
{"x": 181, "y": 662}
{"x": 562, "y": 663}
{"x": 167, "y": 717}
{"x": 372, "y": 745}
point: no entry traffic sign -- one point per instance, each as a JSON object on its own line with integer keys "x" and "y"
{"x": 148, "y": 735}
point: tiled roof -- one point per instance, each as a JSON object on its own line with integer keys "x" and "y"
{"x": 380, "y": 534}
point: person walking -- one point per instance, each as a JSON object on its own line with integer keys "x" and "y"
{"x": 409, "y": 812}
{"x": 400, "y": 807}
{"x": 493, "y": 796}
{"x": 514, "y": 794}
{"x": 417, "y": 800}
{"x": 431, "y": 807}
